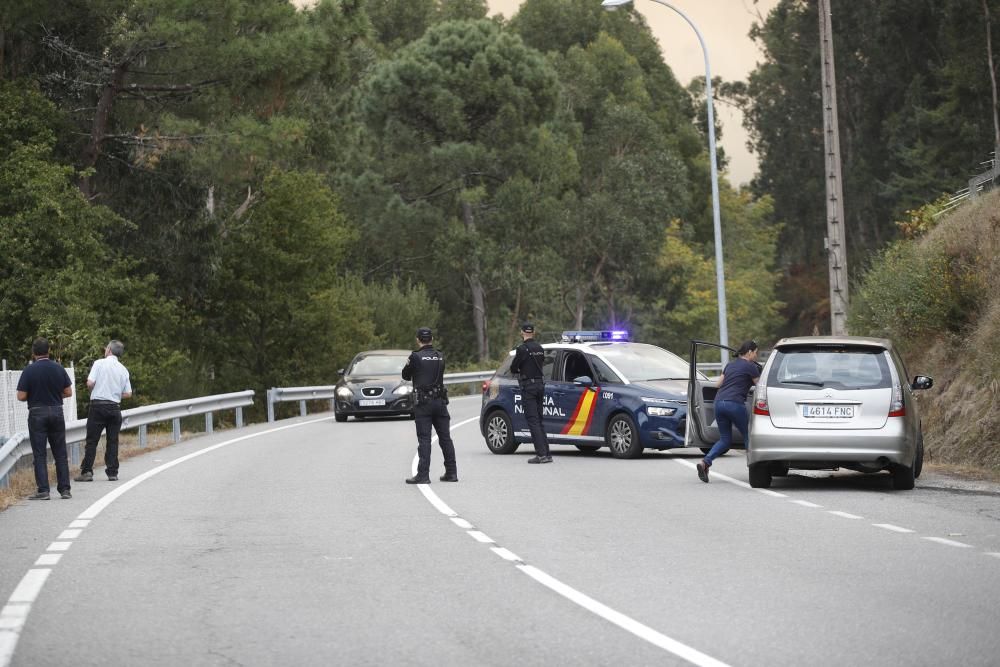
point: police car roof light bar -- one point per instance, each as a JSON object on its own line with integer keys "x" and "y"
{"x": 588, "y": 336}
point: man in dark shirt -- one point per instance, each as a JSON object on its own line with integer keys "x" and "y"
{"x": 425, "y": 368}
{"x": 529, "y": 357}
{"x": 730, "y": 402}
{"x": 44, "y": 384}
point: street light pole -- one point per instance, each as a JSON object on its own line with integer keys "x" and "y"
{"x": 720, "y": 281}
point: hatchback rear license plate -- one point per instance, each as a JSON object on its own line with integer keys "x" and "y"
{"x": 365, "y": 402}
{"x": 828, "y": 411}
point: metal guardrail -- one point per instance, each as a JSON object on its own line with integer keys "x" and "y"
{"x": 327, "y": 392}
{"x": 978, "y": 184}
{"x": 76, "y": 430}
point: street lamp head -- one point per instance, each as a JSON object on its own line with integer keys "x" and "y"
{"x": 612, "y": 5}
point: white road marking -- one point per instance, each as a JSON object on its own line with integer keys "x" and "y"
{"x": 895, "y": 529}
{"x": 806, "y": 503}
{"x": 621, "y": 620}
{"x": 993, "y": 553}
{"x": 30, "y": 585}
{"x": 844, "y": 515}
{"x": 773, "y": 494}
{"x": 509, "y": 555}
{"x": 19, "y": 603}
{"x": 479, "y": 536}
{"x": 645, "y": 632}
{"x": 48, "y": 559}
{"x": 461, "y": 523}
{"x": 947, "y": 542}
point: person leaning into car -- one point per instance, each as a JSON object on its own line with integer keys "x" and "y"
{"x": 730, "y": 402}
{"x": 528, "y": 360}
{"x": 425, "y": 368}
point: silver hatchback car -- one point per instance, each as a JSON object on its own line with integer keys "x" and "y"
{"x": 827, "y": 402}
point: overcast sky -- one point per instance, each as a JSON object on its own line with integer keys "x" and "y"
{"x": 724, "y": 24}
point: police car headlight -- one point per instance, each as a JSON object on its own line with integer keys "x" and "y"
{"x": 655, "y": 411}
{"x": 403, "y": 390}
{"x": 344, "y": 393}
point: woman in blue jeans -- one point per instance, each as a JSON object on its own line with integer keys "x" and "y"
{"x": 730, "y": 402}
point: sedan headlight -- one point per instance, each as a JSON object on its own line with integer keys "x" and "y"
{"x": 656, "y": 411}
{"x": 344, "y": 393}
{"x": 403, "y": 390}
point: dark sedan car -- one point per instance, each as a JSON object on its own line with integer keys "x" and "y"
{"x": 372, "y": 386}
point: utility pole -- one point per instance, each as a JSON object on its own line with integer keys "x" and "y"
{"x": 836, "y": 247}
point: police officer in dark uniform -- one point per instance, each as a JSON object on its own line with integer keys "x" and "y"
{"x": 425, "y": 368}
{"x": 528, "y": 360}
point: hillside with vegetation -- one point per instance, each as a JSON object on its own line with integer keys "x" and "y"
{"x": 936, "y": 294}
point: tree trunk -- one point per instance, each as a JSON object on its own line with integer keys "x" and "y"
{"x": 99, "y": 127}
{"x": 512, "y": 332}
{"x": 993, "y": 82}
{"x": 578, "y": 319}
{"x": 477, "y": 291}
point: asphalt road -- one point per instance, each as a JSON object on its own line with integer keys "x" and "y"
{"x": 298, "y": 543}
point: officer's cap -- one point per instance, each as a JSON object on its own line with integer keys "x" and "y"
{"x": 424, "y": 335}
{"x": 528, "y": 327}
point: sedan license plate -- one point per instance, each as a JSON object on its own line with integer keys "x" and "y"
{"x": 366, "y": 402}
{"x": 828, "y": 411}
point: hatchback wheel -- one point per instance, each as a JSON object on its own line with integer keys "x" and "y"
{"x": 339, "y": 417}
{"x": 623, "y": 437}
{"x": 902, "y": 478}
{"x": 760, "y": 475}
{"x": 499, "y": 433}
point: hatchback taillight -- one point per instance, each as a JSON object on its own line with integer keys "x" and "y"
{"x": 760, "y": 400}
{"x": 897, "y": 408}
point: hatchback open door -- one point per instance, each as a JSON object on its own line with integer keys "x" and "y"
{"x": 702, "y": 431}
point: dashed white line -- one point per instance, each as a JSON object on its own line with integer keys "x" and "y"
{"x": 461, "y": 523}
{"x": 48, "y": 559}
{"x": 70, "y": 534}
{"x": 79, "y": 523}
{"x": 895, "y": 529}
{"x": 844, "y": 515}
{"x": 59, "y": 546}
{"x": 27, "y": 590}
{"x": 806, "y": 503}
{"x": 993, "y": 553}
{"x": 947, "y": 542}
{"x": 508, "y": 555}
{"x": 479, "y": 536}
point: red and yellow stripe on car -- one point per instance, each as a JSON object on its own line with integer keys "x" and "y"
{"x": 583, "y": 414}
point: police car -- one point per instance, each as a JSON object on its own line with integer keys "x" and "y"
{"x": 601, "y": 390}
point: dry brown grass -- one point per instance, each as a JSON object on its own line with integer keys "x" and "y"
{"x": 22, "y": 481}
{"x": 961, "y": 414}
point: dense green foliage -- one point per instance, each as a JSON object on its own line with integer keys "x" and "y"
{"x": 916, "y": 118}
{"x": 248, "y": 193}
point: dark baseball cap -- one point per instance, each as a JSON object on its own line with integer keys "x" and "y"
{"x": 424, "y": 334}
{"x": 528, "y": 327}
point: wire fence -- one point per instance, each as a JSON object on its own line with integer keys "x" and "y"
{"x": 14, "y": 413}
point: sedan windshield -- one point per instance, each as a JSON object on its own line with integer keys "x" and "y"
{"x": 376, "y": 364}
{"x": 639, "y": 362}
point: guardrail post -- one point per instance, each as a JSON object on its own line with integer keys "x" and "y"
{"x": 142, "y": 436}
{"x": 270, "y": 404}
{"x": 302, "y": 408}
{"x": 239, "y": 417}
{"x": 74, "y": 453}
{"x": 177, "y": 429}
{"x": 208, "y": 422}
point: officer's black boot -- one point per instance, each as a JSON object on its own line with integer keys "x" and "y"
{"x": 417, "y": 479}
{"x": 449, "y": 477}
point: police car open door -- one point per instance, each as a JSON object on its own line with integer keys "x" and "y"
{"x": 702, "y": 430}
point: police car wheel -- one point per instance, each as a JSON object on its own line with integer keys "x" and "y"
{"x": 623, "y": 437}
{"x": 500, "y": 433}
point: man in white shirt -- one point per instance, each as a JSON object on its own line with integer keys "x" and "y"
{"x": 109, "y": 384}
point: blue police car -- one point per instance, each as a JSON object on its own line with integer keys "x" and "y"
{"x": 600, "y": 390}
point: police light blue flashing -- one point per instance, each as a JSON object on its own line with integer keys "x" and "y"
{"x": 588, "y": 336}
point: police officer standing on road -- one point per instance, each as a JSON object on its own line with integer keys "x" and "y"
{"x": 528, "y": 360}
{"x": 425, "y": 368}
{"x": 44, "y": 384}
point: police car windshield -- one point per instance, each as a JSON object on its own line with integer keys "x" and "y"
{"x": 378, "y": 365}
{"x": 641, "y": 363}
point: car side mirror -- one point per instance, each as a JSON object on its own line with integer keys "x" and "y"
{"x": 922, "y": 382}
{"x": 583, "y": 380}
{"x": 340, "y": 371}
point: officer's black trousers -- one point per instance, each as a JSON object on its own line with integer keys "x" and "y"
{"x": 532, "y": 398}
{"x": 434, "y": 413}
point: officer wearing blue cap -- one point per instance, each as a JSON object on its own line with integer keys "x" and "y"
{"x": 425, "y": 368}
{"x": 529, "y": 358}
